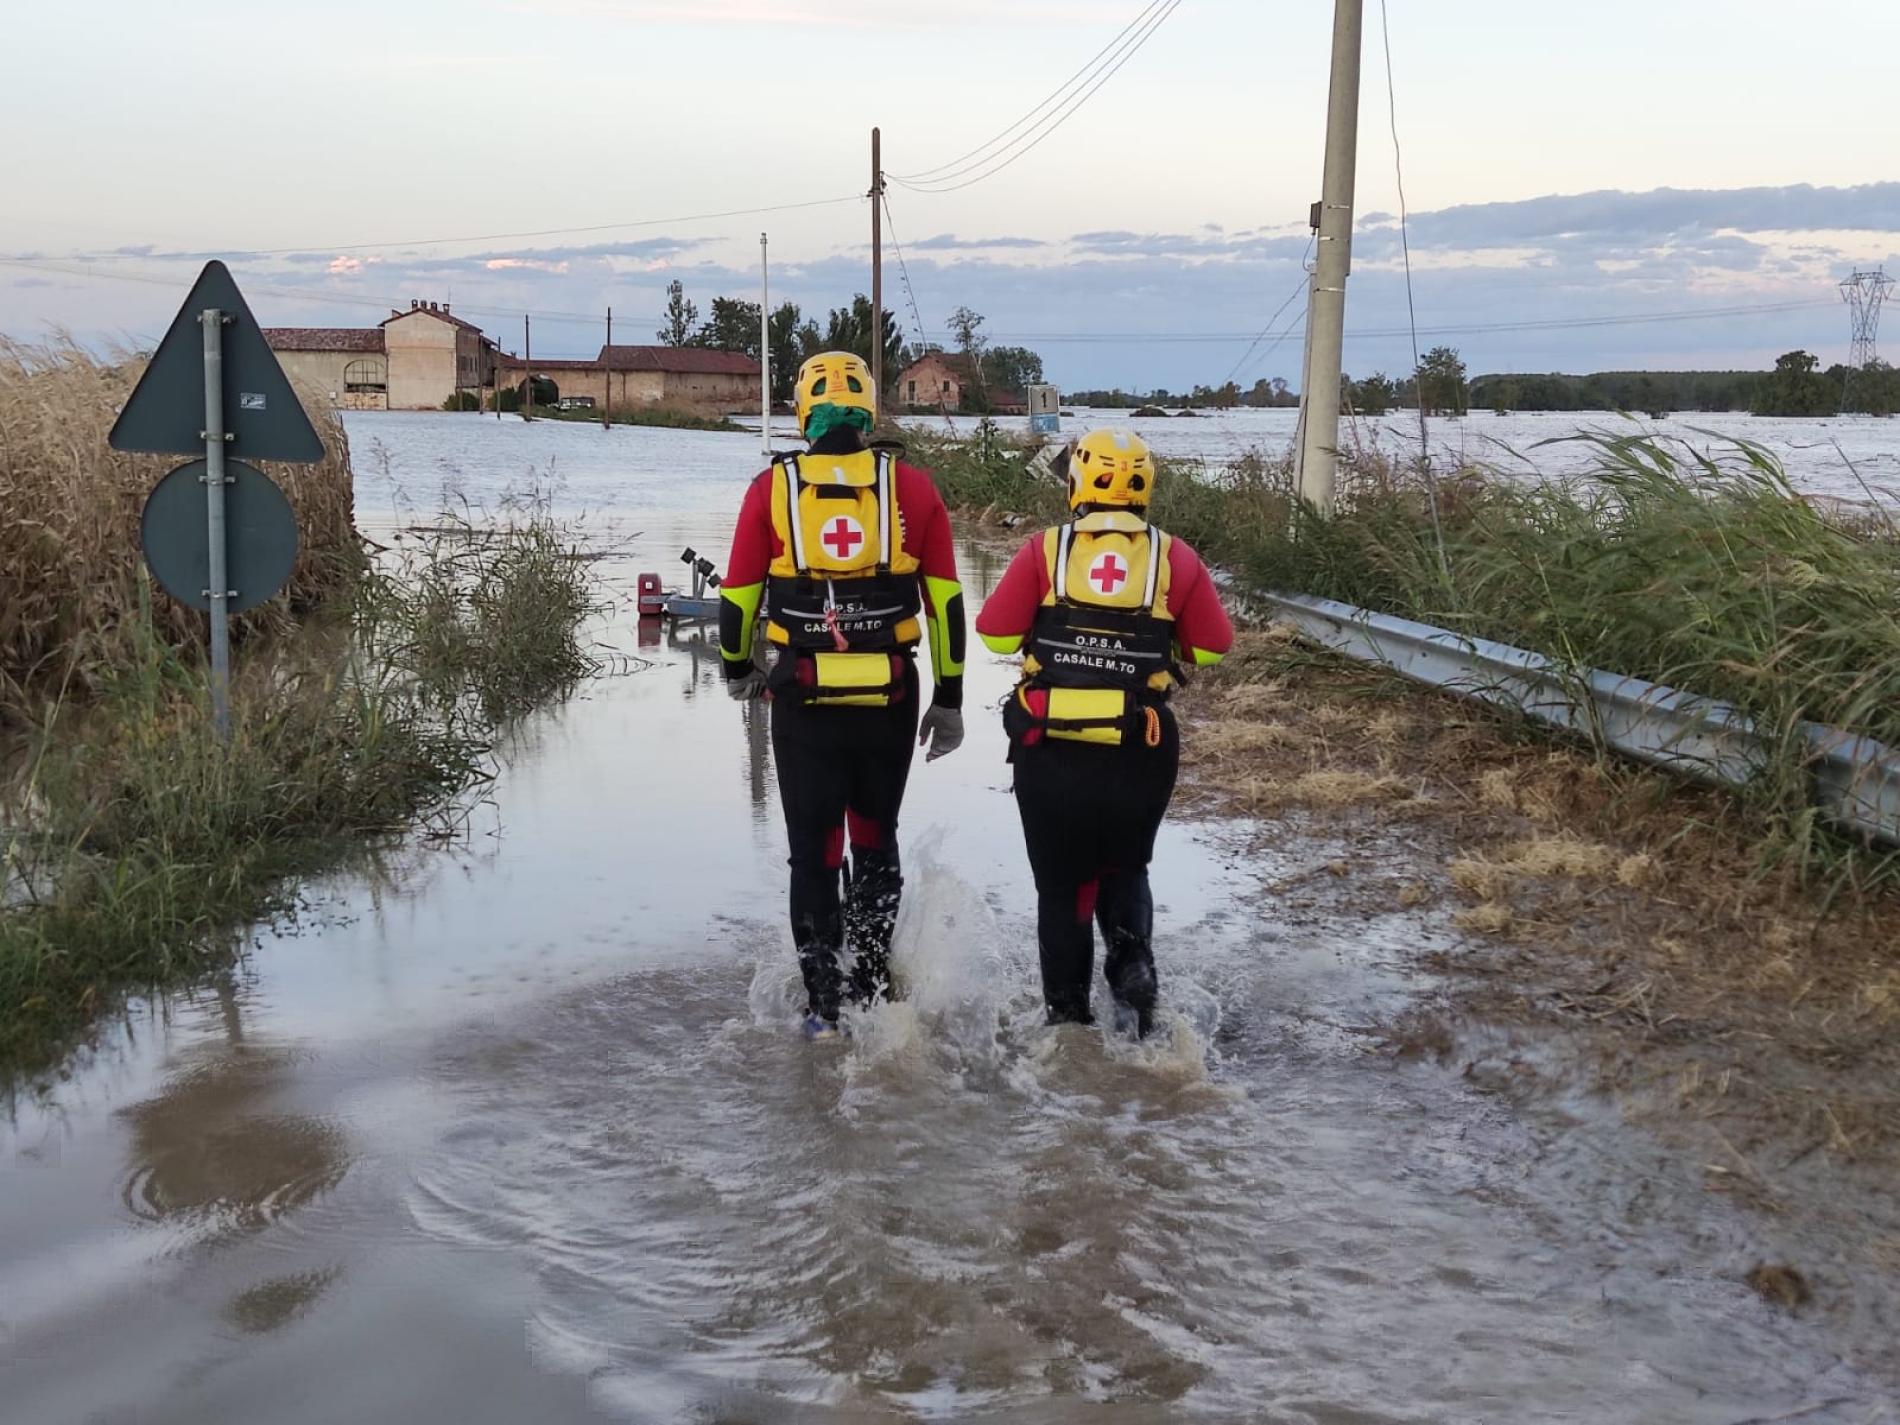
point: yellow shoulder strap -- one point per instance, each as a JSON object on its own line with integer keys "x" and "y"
{"x": 794, "y": 527}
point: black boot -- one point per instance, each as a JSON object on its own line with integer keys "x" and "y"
{"x": 1065, "y": 941}
{"x": 818, "y": 934}
{"x": 870, "y": 919}
{"x": 1127, "y": 913}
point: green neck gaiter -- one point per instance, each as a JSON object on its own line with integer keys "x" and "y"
{"x": 828, "y": 418}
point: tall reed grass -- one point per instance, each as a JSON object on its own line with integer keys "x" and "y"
{"x": 1704, "y": 570}
{"x": 134, "y": 847}
{"x": 71, "y": 574}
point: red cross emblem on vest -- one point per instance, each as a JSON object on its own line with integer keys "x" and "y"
{"x": 842, "y": 536}
{"x": 1108, "y": 573}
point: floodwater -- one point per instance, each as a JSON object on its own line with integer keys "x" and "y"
{"x": 1846, "y": 457}
{"x": 523, "y": 1130}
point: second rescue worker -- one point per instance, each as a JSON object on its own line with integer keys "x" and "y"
{"x": 1105, "y": 611}
{"x": 850, "y": 551}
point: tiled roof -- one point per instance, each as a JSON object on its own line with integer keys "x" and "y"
{"x": 544, "y": 364}
{"x": 441, "y": 313}
{"x": 678, "y": 360}
{"x": 957, "y": 364}
{"x": 324, "y": 338}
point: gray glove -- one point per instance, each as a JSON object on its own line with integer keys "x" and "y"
{"x": 747, "y": 686}
{"x": 942, "y": 728}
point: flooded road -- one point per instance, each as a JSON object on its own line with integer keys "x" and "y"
{"x": 524, "y": 1131}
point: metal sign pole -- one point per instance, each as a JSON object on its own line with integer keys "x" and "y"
{"x": 217, "y": 578}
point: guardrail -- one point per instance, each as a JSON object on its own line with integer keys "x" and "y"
{"x": 1855, "y": 780}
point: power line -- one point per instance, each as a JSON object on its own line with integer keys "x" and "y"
{"x": 478, "y": 237}
{"x": 1055, "y": 120}
{"x": 1411, "y": 306}
{"x": 1292, "y": 297}
{"x": 928, "y": 174}
{"x": 300, "y": 295}
{"x": 910, "y": 295}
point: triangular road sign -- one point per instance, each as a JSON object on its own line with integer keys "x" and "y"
{"x": 263, "y": 415}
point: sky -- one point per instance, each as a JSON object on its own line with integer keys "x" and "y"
{"x": 1713, "y": 167}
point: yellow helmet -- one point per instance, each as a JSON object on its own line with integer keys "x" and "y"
{"x": 834, "y": 378}
{"x": 1111, "y": 469}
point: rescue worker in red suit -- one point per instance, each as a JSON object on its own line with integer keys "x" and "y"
{"x": 849, "y": 551}
{"x": 1107, "y": 611}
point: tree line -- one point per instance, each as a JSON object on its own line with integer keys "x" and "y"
{"x": 732, "y": 324}
{"x": 1796, "y": 387}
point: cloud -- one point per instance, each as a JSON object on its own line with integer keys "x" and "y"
{"x": 949, "y": 242}
{"x": 1660, "y": 213}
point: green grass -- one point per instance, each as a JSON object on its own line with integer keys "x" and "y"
{"x": 136, "y": 848}
{"x": 1705, "y": 572}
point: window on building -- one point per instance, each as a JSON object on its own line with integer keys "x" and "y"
{"x": 913, "y": 393}
{"x": 366, "y": 374}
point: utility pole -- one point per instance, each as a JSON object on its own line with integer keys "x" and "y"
{"x": 607, "y": 372}
{"x": 1326, "y": 315}
{"x": 527, "y": 357}
{"x": 877, "y": 268}
{"x": 765, "y": 352}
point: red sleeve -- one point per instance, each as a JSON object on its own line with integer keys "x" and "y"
{"x": 926, "y": 524}
{"x": 753, "y": 544}
{"x": 1199, "y": 620}
{"x": 1011, "y": 607}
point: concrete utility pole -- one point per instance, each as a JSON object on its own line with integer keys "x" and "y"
{"x": 877, "y": 267}
{"x": 527, "y": 357}
{"x": 765, "y": 353}
{"x": 607, "y": 372}
{"x": 1326, "y": 313}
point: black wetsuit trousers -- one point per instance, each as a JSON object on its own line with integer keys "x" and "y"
{"x": 1090, "y": 815}
{"x": 841, "y": 778}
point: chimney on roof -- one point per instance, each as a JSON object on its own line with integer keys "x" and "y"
{"x": 414, "y": 303}
{"x": 445, "y": 309}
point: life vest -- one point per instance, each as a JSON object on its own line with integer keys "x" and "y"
{"x": 842, "y": 594}
{"x": 1101, "y": 649}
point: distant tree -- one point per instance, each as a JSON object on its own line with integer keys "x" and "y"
{"x": 1873, "y": 390}
{"x": 1011, "y": 368}
{"x": 1373, "y": 396}
{"x": 733, "y": 325}
{"x": 1503, "y": 396}
{"x": 1441, "y": 381}
{"x": 681, "y": 319}
{"x": 849, "y": 329}
{"x": 788, "y": 350}
{"x": 966, "y": 329}
{"x": 1796, "y": 388}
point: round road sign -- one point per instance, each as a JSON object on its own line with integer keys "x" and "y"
{"x": 260, "y": 535}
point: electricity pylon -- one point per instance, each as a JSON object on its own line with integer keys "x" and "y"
{"x": 1864, "y": 293}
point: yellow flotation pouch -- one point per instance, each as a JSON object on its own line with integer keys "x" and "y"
{"x": 841, "y": 680}
{"x": 1098, "y": 715}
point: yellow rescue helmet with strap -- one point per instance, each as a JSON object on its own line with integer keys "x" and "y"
{"x": 1111, "y": 470}
{"x": 834, "y": 378}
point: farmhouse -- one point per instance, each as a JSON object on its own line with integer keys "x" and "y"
{"x": 420, "y": 359}
{"x": 412, "y": 361}
{"x": 945, "y": 381}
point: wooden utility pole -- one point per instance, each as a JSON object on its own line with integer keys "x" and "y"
{"x": 607, "y": 371}
{"x": 527, "y": 358}
{"x": 1326, "y": 311}
{"x": 877, "y": 267}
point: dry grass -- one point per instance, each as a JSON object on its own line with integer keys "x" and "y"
{"x": 1639, "y": 906}
{"x": 71, "y": 575}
